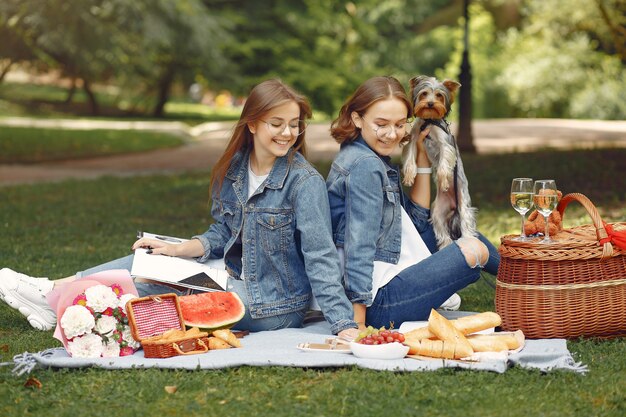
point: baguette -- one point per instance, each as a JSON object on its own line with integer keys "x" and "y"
{"x": 438, "y": 349}
{"x": 484, "y": 344}
{"x": 467, "y": 325}
{"x": 445, "y": 331}
{"x": 477, "y": 322}
{"x": 512, "y": 340}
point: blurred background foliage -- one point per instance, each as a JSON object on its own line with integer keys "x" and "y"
{"x": 530, "y": 58}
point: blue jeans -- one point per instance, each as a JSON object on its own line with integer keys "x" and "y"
{"x": 281, "y": 321}
{"x": 411, "y": 294}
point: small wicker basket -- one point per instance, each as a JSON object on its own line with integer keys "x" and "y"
{"x": 573, "y": 287}
{"x": 150, "y": 317}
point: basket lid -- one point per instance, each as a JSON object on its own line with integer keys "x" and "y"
{"x": 154, "y": 315}
{"x": 591, "y": 241}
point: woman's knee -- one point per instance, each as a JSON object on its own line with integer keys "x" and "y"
{"x": 475, "y": 252}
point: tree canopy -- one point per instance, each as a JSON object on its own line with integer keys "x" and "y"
{"x": 530, "y": 58}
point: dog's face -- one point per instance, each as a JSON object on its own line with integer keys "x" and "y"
{"x": 431, "y": 98}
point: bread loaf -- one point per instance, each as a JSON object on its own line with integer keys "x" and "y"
{"x": 512, "y": 340}
{"x": 445, "y": 331}
{"x": 467, "y": 325}
{"x": 438, "y": 349}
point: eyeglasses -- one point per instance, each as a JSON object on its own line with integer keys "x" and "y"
{"x": 277, "y": 126}
{"x": 384, "y": 131}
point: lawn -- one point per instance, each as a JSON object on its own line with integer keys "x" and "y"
{"x": 56, "y": 229}
{"x": 49, "y": 101}
{"x": 33, "y": 145}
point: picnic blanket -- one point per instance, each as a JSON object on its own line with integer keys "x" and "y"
{"x": 279, "y": 348}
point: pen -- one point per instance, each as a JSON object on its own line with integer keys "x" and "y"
{"x": 169, "y": 239}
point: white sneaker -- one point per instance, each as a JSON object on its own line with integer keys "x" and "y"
{"x": 28, "y": 296}
{"x": 452, "y": 304}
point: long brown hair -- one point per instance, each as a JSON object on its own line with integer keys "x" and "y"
{"x": 343, "y": 128}
{"x": 263, "y": 98}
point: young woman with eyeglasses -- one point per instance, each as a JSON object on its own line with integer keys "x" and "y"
{"x": 392, "y": 270}
{"x": 272, "y": 225}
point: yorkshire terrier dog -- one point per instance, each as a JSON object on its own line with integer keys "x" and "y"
{"x": 452, "y": 216}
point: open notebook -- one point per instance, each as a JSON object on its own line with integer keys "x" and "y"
{"x": 183, "y": 272}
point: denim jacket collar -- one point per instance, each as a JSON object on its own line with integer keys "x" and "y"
{"x": 392, "y": 169}
{"x": 238, "y": 173}
{"x": 386, "y": 159}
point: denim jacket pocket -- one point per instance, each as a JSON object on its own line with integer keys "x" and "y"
{"x": 275, "y": 230}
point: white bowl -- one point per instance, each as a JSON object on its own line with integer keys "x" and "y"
{"x": 393, "y": 350}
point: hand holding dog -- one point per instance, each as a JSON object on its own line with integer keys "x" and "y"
{"x": 422, "y": 157}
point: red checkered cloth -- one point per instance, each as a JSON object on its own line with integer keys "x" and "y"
{"x": 154, "y": 317}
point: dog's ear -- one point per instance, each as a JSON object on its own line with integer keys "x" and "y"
{"x": 452, "y": 86}
{"x": 416, "y": 80}
{"x": 413, "y": 82}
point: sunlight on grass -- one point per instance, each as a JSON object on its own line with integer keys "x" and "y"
{"x": 197, "y": 109}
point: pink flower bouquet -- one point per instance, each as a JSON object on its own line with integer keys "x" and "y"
{"x": 91, "y": 315}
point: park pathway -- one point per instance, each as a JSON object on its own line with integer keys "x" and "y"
{"x": 205, "y": 143}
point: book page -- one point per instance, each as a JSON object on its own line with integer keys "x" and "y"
{"x": 185, "y": 272}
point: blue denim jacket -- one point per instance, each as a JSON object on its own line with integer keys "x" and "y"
{"x": 285, "y": 235}
{"x": 365, "y": 206}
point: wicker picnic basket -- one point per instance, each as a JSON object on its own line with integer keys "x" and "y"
{"x": 573, "y": 287}
{"x": 150, "y": 317}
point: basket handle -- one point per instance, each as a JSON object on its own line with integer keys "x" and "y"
{"x": 601, "y": 233}
{"x": 204, "y": 348}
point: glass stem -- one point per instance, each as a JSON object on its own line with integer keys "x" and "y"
{"x": 547, "y": 235}
{"x": 523, "y": 233}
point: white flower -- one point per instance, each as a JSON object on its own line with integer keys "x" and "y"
{"x": 87, "y": 346}
{"x": 100, "y": 297}
{"x": 76, "y": 320}
{"x": 105, "y": 324}
{"x": 124, "y": 299}
{"x": 111, "y": 349}
{"x": 128, "y": 337}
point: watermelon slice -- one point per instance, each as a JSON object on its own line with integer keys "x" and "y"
{"x": 212, "y": 310}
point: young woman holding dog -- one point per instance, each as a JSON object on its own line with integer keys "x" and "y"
{"x": 393, "y": 271}
{"x": 272, "y": 227}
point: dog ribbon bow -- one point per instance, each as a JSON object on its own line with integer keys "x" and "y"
{"x": 616, "y": 238}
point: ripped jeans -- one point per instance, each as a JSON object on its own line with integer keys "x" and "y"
{"x": 411, "y": 294}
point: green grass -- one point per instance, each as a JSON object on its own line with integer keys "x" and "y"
{"x": 31, "y": 145}
{"x": 48, "y": 101}
{"x": 56, "y": 229}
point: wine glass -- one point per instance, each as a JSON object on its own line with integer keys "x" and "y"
{"x": 522, "y": 200}
{"x": 545, "y": 199}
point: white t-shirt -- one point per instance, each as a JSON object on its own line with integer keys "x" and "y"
{"x": 254, "y": 182}
{"x": 412, "y": 251}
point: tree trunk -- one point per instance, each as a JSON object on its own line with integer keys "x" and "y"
{"x": 164, "y": 92}
{"x": 465, "y": 137}
{"x": 5, "y": 71}
{"x": 70, "y": 94}
{"x": 92, "y": 98}
{"x": 617, "y": 31}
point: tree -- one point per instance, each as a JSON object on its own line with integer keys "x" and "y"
{"x": 76, "y": 36}
{"x": 566, "y": 64}
{"x": 465, "y": 137}
{"x": 174, "y": 41}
